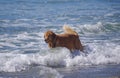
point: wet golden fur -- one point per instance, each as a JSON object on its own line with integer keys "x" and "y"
{"x": 68, "y": 39}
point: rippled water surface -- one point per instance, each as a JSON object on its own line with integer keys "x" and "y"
{"x": 24, "y": 52}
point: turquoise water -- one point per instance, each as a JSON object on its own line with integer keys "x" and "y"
{"x": 22, "y": 46}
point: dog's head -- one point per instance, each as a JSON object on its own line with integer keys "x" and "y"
{"x": 49, "y": 36}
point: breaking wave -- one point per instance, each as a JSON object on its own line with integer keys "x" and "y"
{"x": 95, "y": 54}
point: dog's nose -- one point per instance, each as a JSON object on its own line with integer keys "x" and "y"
{"x": 46, "y": 41}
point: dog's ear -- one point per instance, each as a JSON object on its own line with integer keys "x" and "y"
{"x": 53, "y": 35}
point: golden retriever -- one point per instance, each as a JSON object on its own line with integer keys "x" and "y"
{"x": 69, "y": 39}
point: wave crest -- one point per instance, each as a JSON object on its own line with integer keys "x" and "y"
{"x": 61, "y": 57}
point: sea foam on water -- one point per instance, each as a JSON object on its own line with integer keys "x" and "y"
{"x": 61, "y": 57}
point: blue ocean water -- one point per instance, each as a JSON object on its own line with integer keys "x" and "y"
{"x": 22, "y": 46}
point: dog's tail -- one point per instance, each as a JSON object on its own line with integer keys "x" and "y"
{"x": 69, "y": 30}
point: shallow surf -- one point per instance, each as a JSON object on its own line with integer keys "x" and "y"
{"x": 24, "y": 54}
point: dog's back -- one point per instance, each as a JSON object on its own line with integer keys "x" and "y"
{"x": 69, "y": 39}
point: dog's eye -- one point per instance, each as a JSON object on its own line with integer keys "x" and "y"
{"x": 49, "y": 37}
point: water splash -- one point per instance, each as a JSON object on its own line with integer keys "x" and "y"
{"x": 61, "y": 57}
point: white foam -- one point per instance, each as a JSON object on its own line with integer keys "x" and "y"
{"x": 100, "y": 55}
{"x": 46, "y": 72}
{"x": 22, "y": 40}
{"x": 109, "y": 14}
{"x": 96, "y": 55}
{"x": 17, "y": 62}
{"x": 23, "y": 22}
{"x": 92, "y": 28}
{"x": 5, "y": 21}
{"x": 14, "y": 60}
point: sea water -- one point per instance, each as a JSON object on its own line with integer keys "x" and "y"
{"x": 24, "y": 54}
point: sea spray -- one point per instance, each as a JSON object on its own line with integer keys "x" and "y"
{"x": 47, "y": 72}
{"x": 61, "y": 57}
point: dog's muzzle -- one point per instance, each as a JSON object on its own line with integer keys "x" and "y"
{"x": 46, "y": 40}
